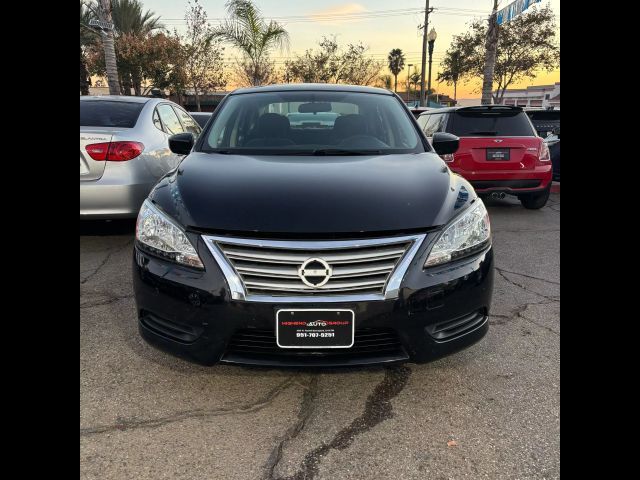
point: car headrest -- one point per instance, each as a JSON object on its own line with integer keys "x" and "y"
{"x": 272, "y": 125}
{"x": 350, "y": 125}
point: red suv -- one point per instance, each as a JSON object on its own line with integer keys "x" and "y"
{"x": 499, "y": 151}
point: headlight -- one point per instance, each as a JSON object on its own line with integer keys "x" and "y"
{"x": 160, "y": 235}
{"x": 466, "y": 235}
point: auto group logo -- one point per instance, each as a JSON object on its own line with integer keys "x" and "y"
{"x": 317, "y": 323}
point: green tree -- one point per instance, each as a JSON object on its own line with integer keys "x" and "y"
{"x": 384, "y": 81}
{"x": 356, "y": 67}
{"x": 453, "y": 66}
{"x": 132, "y": 25}
{"x": 526, "y": 45}
{"x": 332, "y": 64}
{"x": 203, "y": 55}
{"x": 396, "y": 64}
{"x": 315, "y": 66}
{"x": 249, "y": 32}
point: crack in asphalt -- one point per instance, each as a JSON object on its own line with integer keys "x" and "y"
{"x": 109, "y": 254}
{"x": 548, "y": 297}
{"x": 518, "y": 313}
{"x": 131, "y": 424}
{"x": 377, "y": 409}
{"x": 527, "y": 276}
{"x": 108, "y": 301}
{"x": 308, "y": 403}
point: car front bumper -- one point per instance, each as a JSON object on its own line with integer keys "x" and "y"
{"x": 191, "y": 314}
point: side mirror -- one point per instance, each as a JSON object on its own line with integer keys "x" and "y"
{"x": 556, "y": 131}
{"x": 444, "y": 143}
{"x": 181, "y": 143}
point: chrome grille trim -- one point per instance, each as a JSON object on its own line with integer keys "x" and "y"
{"x": 258, "y": 269}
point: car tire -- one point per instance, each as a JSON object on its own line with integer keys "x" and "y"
{"x": 535, "y": 201}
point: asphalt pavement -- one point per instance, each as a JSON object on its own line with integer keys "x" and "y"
{"x": 491, "y": 411}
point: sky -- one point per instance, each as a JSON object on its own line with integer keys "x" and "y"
{"x": 380, "y": 24}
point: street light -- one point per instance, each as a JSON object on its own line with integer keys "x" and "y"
{"x": 431, "y": 39}
{"x": 409, "y": 83}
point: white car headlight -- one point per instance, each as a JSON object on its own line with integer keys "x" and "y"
{"x": 162, "y": 236}
{"x": 468, "y": 234}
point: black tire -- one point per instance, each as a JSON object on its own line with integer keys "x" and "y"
{"x": 535, "y": 201}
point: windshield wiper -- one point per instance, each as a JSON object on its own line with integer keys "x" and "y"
{"x": 484, "y": 132}
{"x": 342, "y": 151}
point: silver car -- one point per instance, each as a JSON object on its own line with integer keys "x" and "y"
{"x": 124, "y": 150}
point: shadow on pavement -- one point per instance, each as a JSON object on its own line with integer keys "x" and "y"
{"x": 107, "y": 227}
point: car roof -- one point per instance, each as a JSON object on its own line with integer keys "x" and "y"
{"x": 117, "y": 98}
{"x": 473, "y": 108}
{"x": 328, "y": 87}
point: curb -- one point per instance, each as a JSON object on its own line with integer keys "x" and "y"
{"x": 555, "y": 187}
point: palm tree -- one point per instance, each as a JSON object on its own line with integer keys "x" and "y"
{"x": 101, "y": 10}
{"x": 104, "y": 14}
{"x": 128, "y": 18}
{"x": 415, "y": 78}
{"x": 491, "y": 47}
{"x": 246, "y": 30}
{"x": 87, "y": 38}
{"x": 396, "y": 64}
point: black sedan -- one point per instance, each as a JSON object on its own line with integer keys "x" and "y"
{"x": 286, "y": 243}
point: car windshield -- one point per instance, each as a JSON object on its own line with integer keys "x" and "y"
{"x": 312, "y": 123}
{"x": 104, "y": 113}
{"x": 489, "y": 123}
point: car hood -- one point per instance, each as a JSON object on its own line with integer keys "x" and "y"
{"x": 311, "y": 195}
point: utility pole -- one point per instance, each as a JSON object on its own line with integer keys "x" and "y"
{"x": 409, "y": 83}
{"x": 424, "y": 51}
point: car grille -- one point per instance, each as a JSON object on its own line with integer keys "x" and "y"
{"x": 266, "y": 268}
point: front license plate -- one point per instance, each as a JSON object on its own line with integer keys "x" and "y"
{"x": 315, "y": 328}
{"x": 498, "y": 154}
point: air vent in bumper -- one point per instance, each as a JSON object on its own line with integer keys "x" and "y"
{"x": 259, "y": 346}
{"x": 458, "y": 326}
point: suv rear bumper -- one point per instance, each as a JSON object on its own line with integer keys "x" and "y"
{"x": 509, "y": 181}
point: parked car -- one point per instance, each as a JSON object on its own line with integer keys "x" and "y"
{"x": 201, "y": 117}
{"x": 544, "y": 120}
{"x": 124, "y": 150}
{"x": 417, "y": 111}
{"x": 352, "y": 245}
{"x": 499, "y": 151}
{"x": 553, "y": 142}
